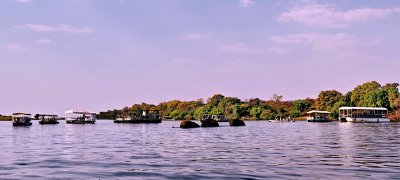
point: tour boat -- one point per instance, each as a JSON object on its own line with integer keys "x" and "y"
{"x": 81, "y": 117}
{"x": 363, "y": 114}
{"x": 21, "y": 119}
{"x": 47, "y": 119}
{"x": 318, "y": 116}
{"x": 141, "y": 116}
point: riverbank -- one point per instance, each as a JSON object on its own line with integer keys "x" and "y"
{"x": 5, "y": 118}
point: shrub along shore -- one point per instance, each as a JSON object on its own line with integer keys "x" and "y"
{"x": 369, "y": 94}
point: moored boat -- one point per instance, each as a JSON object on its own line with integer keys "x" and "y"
{"x": 21, "y": 119}
{"x": 81, "y": 117}
{"x": 141, "y": 116}
{"x": 47, "y": 119}
{"x": 363, "y": 114}
{"x": 318, "y": 116}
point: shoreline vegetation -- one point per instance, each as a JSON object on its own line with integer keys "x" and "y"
{"x": 5, "y": 118}
{"x": 369, "y": 94}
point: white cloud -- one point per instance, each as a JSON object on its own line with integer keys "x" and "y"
{"x": 246, "y": 3}
{"x": 57, "y": 28}
{"x": 195, "y": 36}
{"x": 340, "y": 44}
{"x": 319, "y": 41}
{"x": 244, "y": 49}
{"x": 330, "y": 16}
{"x": 16, "y": 47}
{"x": 44, "y": 41}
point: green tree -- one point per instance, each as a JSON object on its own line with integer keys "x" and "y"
{"x": 256, "y": 112}
{"x": 295, "y": 113}
{"x": 215, "y": 99}
{"x": 393, "y": 93}
{"x": 216, "y": 111}
{"x": 360, "y": 95}
{"x": 327, "y": 99}
{"x": 379, "y": 98}
{"x": 301, "y": 105}
{"x": 267, "y": 114}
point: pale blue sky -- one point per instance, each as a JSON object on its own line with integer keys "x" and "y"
{"x": 57, "y": 55}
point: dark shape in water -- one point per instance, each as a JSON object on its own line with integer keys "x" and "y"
{"x": 141, "y": 116}
{"x": 21, "y": 119}
{"x": 189, "y": 124}
{"x": 209, "y": 121}
{"x": 83, "y": 120}
{"x": 47, "y": 119}
{"x": 237, "y": 122}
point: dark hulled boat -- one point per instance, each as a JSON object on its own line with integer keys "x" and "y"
{"x": 83, "y": 117}
{"x": 47, "y": 119}
{"x": 141, "y": 116}
{"x": 21, "y": 119}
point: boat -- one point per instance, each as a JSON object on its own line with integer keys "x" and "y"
{"x": 47, "y": 119}
{"x": 141, "y": 116}
{"x": 21, "y": 119}
{"x": 318, "y": 116}
{"x": 363, "y": 114}
{"x": 81, "y": 117}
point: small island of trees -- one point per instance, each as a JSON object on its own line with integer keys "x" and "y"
{"x": 370, "y": 94}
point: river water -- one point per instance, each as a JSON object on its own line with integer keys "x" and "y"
{"x": 260, "y": 150}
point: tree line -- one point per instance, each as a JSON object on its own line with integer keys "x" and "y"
{"x": 369, "y": 94}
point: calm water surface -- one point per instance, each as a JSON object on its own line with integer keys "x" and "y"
{"x": 260, "y": 150}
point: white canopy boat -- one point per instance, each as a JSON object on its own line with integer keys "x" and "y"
{"x": 80, "y": 117}
{"x": 363, "y": 114}
{"x": 21, "y": 119}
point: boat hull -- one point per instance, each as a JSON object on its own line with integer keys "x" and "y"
{"x": 22, "y": 124}
{"x": 367, "y": 120}
{"x": 48, "y": 122}
{"x": 137, "y": 121}
{"x": 80, "y": 122}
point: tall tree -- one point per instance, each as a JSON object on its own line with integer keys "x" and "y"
{"x": 327, "y": 99}
{"x": 360, "y": 95}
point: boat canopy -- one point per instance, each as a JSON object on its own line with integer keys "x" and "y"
{"x": 48, "y": 115}
{"x": 21, "y": 114}
{"x": 363, "y": 108}
{"x": 74, "y": 111}
{"x": 319, "y": 112}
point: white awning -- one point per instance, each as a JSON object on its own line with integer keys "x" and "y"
{"x": 74, "y": 111}
{"x": 363, "y": 108}
{"x": 320, "y": 112}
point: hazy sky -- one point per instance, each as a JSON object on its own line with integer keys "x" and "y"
{"x": 96, "y": 55}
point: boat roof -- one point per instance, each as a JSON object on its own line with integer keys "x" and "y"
{"x": 363, "y": 108}
{"x": 21, "y": 114}
{"x": 320, "y": 112}
{"x": 74, "y": 111}
{"x": 48, "y": 115}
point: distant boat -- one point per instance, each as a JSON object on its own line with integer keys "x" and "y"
{"x": 21, "y": 119}
{"x": 318, "y": 116}
{"x": 47, "y": 119}
{"x": 82, "y": 117}
{"x": 141, "y": 116}
{"x": 363, "y": 114}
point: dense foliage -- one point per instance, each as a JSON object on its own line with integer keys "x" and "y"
{"x": 370, "y": 94}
